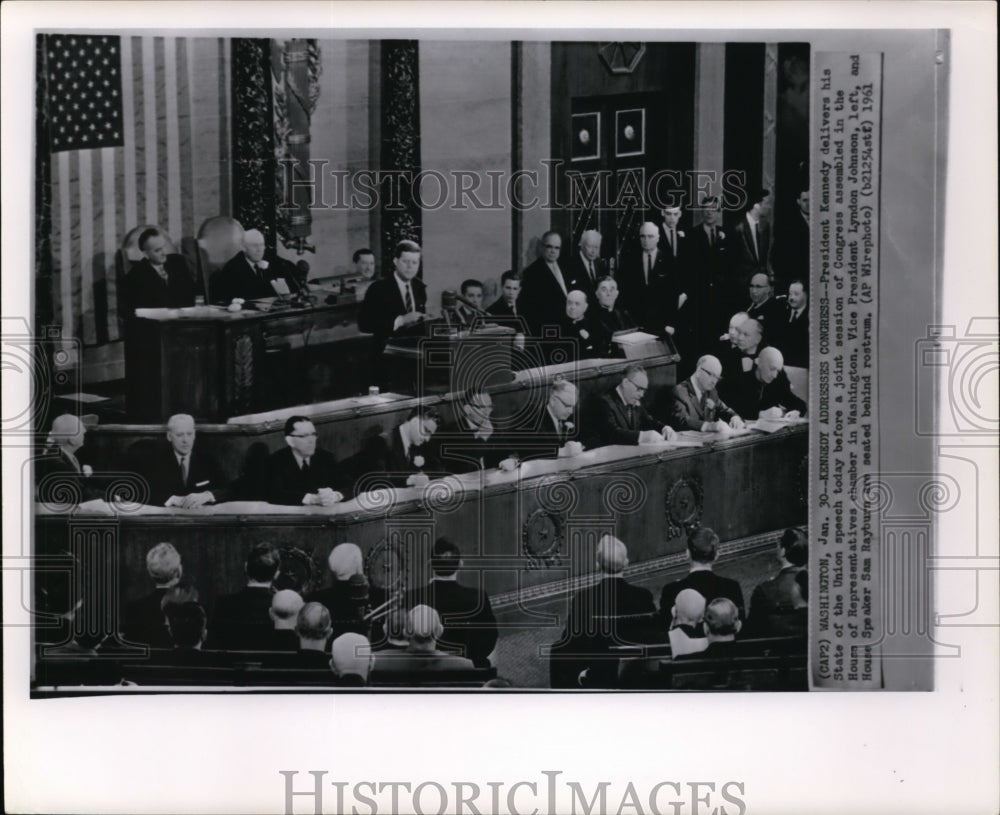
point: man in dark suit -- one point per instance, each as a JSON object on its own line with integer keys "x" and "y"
{"x": 588, "y": 334}
{"x": 714, "y": 295}
{"x": 613, "y": 317}
{"x": 302, "y": 474}
{"x": 620, "y": 417}
{"x": 284, "y": 613}
{"x": 696, "y": 402}
{"x": 791, "y": 243}
{"x": 552, "y": 433}
{"x": 586, "y": 266}
{"x": 764, "y": 307}
{"x": 673, "y": 242}
{"x": 751, "y": 245}
{"x": 181, "y": 475}
{"x": 505, "y": 308}
{"x": 765, "y": 392}
{"x": 776, "y": 602}
{"x": 466, "y": 614}
{"x": 159, "y": 280}
{"x": 403, "y": 457}
{"x": 421, "y": 659}
{"x": 395, "y": 302}
{"x": 348, "y": 597}
{"x": 187, "y": 624}
{"x": 545, "y": 286}
{"x": 643, "y": 280}
{"x": 247, "y": 274}
{"x": 64, "y": 463}
{"x": 471, "y": 443}
{"x": 749, "y": 341}
{"x": 143, "y": 619}
{"x": 792, "y": 337}
{"x": 242, "y": 621}
{"x": 702, "y": 548}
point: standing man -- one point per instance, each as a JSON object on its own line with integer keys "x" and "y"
{"x": 247, "y": 274}
{"x": 301, "y": 474}
{"x": 639, "y": 273}
{"x": 586, "y": 267}
{"x": 159, "y": 280}
{"x": 621, "y": 417}
{"x": 791, "y": 243}
{"x": 673, "y": 241}
{"x": 764, "y": 308}
{"x": 793, "y": 336}
{"x": 397, "y": 301}
{"x": 181, "y": 475}
{"x": 713, "y": 296}
{"x": 545, "y": 286}
{"x": 752, "y": 248}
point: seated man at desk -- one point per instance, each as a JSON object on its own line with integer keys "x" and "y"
{"x": 471, "y": 443}
{"x": 696, "y": 402}
{"x": 181, "y": 475}
{"x": 395, "y": 302}
{"x": 504, "y": 310}
{"x": 302, "y": 474}
{"x": 620, "y": 417}
{"x": 247, "y": 274}
{"x": 612, "y": 317}
{"x": 552, "y": 434}
{"x": 63, "y": 463}
{"x": 402, "y": 457}
{"x": 159, "y": 280}
{"x": 765, "y": 392}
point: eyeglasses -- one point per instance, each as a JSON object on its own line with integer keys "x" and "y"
{"x": 552, "y": 246}
{"x": 710, "y": 373}
{"x": 303, "y": 435}
{"x": 759, "y": 286}
{"x": 639, "y": 388}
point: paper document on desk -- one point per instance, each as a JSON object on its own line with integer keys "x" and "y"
{"x": 772, "y": 425}
{"x": 634, "y": 338}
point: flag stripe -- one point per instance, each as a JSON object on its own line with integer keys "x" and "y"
{"x": 148, "y": 162}
{"x": 85, "y": 190}
{"x": 173, "y": 156}
{"x": 185, "y": 134}
{"x": 111, "y": 231}
{"x": 129, "y": 213}
{"x": 65, "y": 248}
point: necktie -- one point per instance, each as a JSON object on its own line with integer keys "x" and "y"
{"x": 649, "y": 265}
{"x": 184, "y": 470}
{"x": 162, "y": 272}
{"x": 305, "y": 466}
{"x": 630, "y": 409}
{"x": 711, "y": 237}
{"x": 704, "y": 403}
{"x": 673, "y": 243}
{"x": 590, "y": 264}
{"x": 408, "y": 302}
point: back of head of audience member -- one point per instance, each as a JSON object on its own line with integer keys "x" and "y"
{"x": 313, "y": 626}
{"x": 689, "y": 607}
{"x": 395, "y": 627}
{"x": 793, "y": 547}
{"x": 178, "y": 595}
{"x": 285, "y": 607}
{"x": 345, "y": 561}
{"x": 446, "y": 558}
{"x": 163, "y": 563}
{"x": 703, "y": 546}
{"x": 187, "y": 624}
{"x": 68, "y": 432}
{"x": 612, "y": 556}
{"x": 722, "y": 620}
{"x": 351, "y": 656}
{"x": 423, "y": 628}
{"x": 262, "y": 564}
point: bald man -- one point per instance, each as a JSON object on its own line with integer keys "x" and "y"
{"x": 64, "y": 463}
{"x": 748, "y": 341}
{"x": 591, "y": 337}
{"x": 284, "y": 612}
{"x": 348, "y": 590}
{"x": 696, "y": 401}
{"x": 247, "y": 274}
{"x": 351, "y": 660}
{"x": 555, "y": 433}
{"x": 687, "y": 633}
{"x": 765, "y": 392}
{"x": 181, "y": 475}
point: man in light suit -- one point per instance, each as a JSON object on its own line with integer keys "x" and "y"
{"x": 397, "y": 301}
{"x": 181, "y": 475}
{"x": 545, "y": 284}
{"x": 696, "y": 402}
{"x": 620, "y": 416}
{"x": 752, "y": 239}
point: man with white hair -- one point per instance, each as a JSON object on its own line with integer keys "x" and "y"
{"x": 284, "y": 612}
{"x": 343, "y": 597}
{"x": 247, "y": 274}
{"x": 586, "y": 266}
{"x": 143, "y": 619}
{"x": 61, "y": 462}
{"x": 765, "y": 392}
{"x": 696, "y": 402}
{"x": 554, "y": 433}
{"x": 588, "y": 333}
{"x": 638, "y": 274}
{"x": 613, "y": 317}
{"x": 351, "y": 660}
{"x": 181, "y": 475}
{"x": 687, "y": 634}
{"x": 421, "y": 657}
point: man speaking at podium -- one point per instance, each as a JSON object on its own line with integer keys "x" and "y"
{"x": 395, "y": 302}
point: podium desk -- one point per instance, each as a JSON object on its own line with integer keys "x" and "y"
{"x": 213, "y": 364}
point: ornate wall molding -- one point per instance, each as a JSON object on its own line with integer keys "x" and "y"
{"x": 253, "y": 137}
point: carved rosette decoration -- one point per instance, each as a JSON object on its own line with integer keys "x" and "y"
{"x": 295, "y": 72}
{"x": 542, "y": 538}
{"x": 298, "y": 572}
{"x": 253, "y": 137}
{"x": 385, "y": 567}
{"x": 401, "y": 217}
{"x": 683, "y": 506}
{"x": 243, "y": 371}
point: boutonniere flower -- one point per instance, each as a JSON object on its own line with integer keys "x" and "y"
{"x": 88, "y": 471}
{"x": 722, "y": 234}
{"x": 569, "y": 426}
{"x": 680, "y": 233}
{"x": 262, "y": 264}
{"x": 584, "y": 334}
{"x": 418, "y": 461}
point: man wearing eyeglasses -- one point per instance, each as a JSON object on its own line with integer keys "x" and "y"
{"x": 697, "y": 405}
{"x": 545, "y": 285}
{"x": 404, "y": 456}
{"x": 763, "y": 306}
{"x": 302, "y": 474}
{"x": 622, "y": 419}
{"x": 470, "y": 444}
{"x": 554, "y": 433}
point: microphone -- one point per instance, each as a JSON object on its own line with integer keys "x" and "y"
{"x": 449, "y": 294}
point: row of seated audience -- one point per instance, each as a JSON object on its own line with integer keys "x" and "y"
{"x": 181, "y": 474}
{"x": 442, "y": 628}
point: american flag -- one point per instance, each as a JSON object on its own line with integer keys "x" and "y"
{"x": 168, "y": 165}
